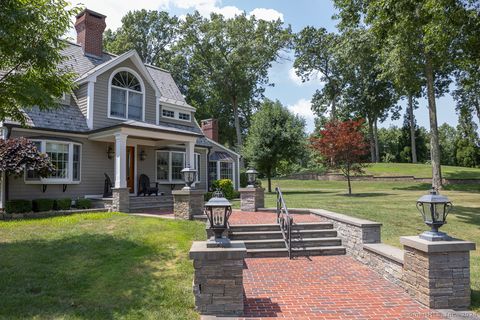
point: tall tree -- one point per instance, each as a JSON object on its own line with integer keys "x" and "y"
{"x": 275, "y": 135}
{"x": 343, "y": 147}
{"x": 31, "y": 72}
{"x": 315, "y": 57}
{"x": 234, "y": 56}
{"x": 423, "y": 33}
{"x": 151, "y": 33}
{"x": 365, "y": 94}
{"x": 468, "y": 142}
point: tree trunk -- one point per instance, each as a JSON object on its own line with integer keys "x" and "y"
{"x": 372, "y": 142}
{"x": 349, "y": 183}
{"x": 412, "y": 129}
{"x": 477, "y": 108}
{"x": 375, "y": 137}
{"x": 269, "y": 178}
{"x": 432, "y": 111}
{"x": 237, "y": 123}
{"x": 333, "y": 112}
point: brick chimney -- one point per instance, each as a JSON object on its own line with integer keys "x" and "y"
{"x": 210, "y": 128}
{"x": 90, "y": 26}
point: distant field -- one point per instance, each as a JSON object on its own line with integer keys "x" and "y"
{"x": 421, "y": 171}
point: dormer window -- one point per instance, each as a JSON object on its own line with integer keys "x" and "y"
{"x": 126, "y": 96}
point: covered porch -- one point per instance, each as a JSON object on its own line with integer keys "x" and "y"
{"x": 139, "y": 149}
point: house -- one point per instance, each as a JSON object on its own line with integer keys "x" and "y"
{"x": 124, "y": 119}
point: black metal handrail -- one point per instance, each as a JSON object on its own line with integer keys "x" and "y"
{"x": 284, "y": 220}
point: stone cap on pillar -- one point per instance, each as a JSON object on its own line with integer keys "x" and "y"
{"x": 250, "y": 189}
{"x": 187, "y": 192}
{"x": 455, "y": 245}
{"x": 200, "y": 251}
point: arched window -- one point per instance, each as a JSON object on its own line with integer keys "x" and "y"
{"x": 126, "y": 96}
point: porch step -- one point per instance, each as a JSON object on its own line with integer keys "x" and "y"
{"x": 200, "y": 217}
{"x": 149, "y": 203}
{"x": 283, "y": 252}
{"x": 312, "y": 225}
{"x": 151, "y": 199}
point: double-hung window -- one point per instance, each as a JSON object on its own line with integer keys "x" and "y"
{"x": 65, "y": 157}
{"x": 170, "y": 165}
{"x": 126, "y": 97}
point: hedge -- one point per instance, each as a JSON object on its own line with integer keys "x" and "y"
{"x": 62, "y": 204}
{"x": 18, "y": 206}
{"x": 40, "y": 205}
{"x": 83, "y": 204}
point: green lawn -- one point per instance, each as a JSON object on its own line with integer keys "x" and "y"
{"x": 97, "y": 266}
{"x": 393, "y": 204}
{"x": 421, "y": 171}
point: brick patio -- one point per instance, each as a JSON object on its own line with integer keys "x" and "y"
{"x": 324, "y": 287}
{"x": 243, "y": 217}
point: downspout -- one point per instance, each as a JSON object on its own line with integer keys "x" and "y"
{"x": 3, "y": 178}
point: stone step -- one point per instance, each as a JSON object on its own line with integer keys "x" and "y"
{"x": 283, "y": 252}
{"x": 200, "y": 217}
{"x": 151, "y": 199}
{"x": 316, "y": 242}
{"x": 255, "y": 235}
{"x": 296, "y": 234}
{"x": 151, "y": 206}
{"x": 254, "y": 227}
{"x": 312, "y": 225}
{"x": 304, "y": 243}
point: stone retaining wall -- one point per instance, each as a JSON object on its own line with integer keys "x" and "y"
{"x": 340, "y": 177}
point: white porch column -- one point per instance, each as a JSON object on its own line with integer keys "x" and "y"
{"x": 3, "y": 135}
{"x": 120, "y": 160}
{"x": 190, "y": 156}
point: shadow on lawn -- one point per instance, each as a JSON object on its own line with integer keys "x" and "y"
{"x": 467, "y": 214}
{"x": 87, "y": 276}
{"x": 450, "y": 187}
{"x": 364, "y": 194}
{"x": 292, "y": 192}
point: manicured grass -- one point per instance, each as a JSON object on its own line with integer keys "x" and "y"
{"x": 393, "y": 204}
{"x": 421, "y": 171}
{"x": 97, "y": 266}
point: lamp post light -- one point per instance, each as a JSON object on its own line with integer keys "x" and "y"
{"x": 434, "y": 209}
{"x": 189, "y": 176}
{"x": 252, "y": 177}
{"x": 218, "y": 210}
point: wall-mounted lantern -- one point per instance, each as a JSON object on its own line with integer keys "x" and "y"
{"x": 110, "y": 152}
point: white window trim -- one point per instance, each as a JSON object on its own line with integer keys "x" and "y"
{"x": 69, "y": 179}
{"x": 170, "y": 180}
{"x": 110, "y": 86}
{"x": 176, "y": 114}
{"x": 218, "y": 171}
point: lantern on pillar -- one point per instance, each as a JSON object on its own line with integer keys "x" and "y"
{"x": 434, "y": 209}
{"x": 252, "y": 177}
{"x": 189, "y": 175}
{"x": 218, "y": 211}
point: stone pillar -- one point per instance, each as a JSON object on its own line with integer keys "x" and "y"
{"x": 252, "y": 198}
{"x": 187, "y": 203}
{"x": 437, "y": 273}
{"x": 218, "y": 280}
{"x": 121, "y": 199}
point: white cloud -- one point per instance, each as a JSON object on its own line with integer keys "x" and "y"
{"x": 293, "y": 76}
{"x": 266, "y": 14}
{"x": 303, "y": 108}
{"x": 116, "y": 9}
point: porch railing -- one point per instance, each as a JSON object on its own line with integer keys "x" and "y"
{"x": 285, "y": 221}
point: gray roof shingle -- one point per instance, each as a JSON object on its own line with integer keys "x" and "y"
{"x": 63, "y": 118}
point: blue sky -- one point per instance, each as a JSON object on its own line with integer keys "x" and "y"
{"x": 298, "y": 13}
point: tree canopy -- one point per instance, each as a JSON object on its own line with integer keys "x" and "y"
{"x": 275, "y": 135}
{"x": 343, "y": 146}
{"x": 31, "y": 72}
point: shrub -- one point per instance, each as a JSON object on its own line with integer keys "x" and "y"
{"x": 243, "y": 179}
{"x": 62, "y": 204}
{"x": 40, "y": 205}
{"x": 236, "y": 195}
{"x": 226, "y": 186}
{"x": 18, "y": 206}
{"x": 83, "y": 204}
{"x": 208, "y": 196}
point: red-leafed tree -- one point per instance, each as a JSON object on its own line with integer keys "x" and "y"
{"x": 20, "y": 154}
{"x": 343, "y": 146}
